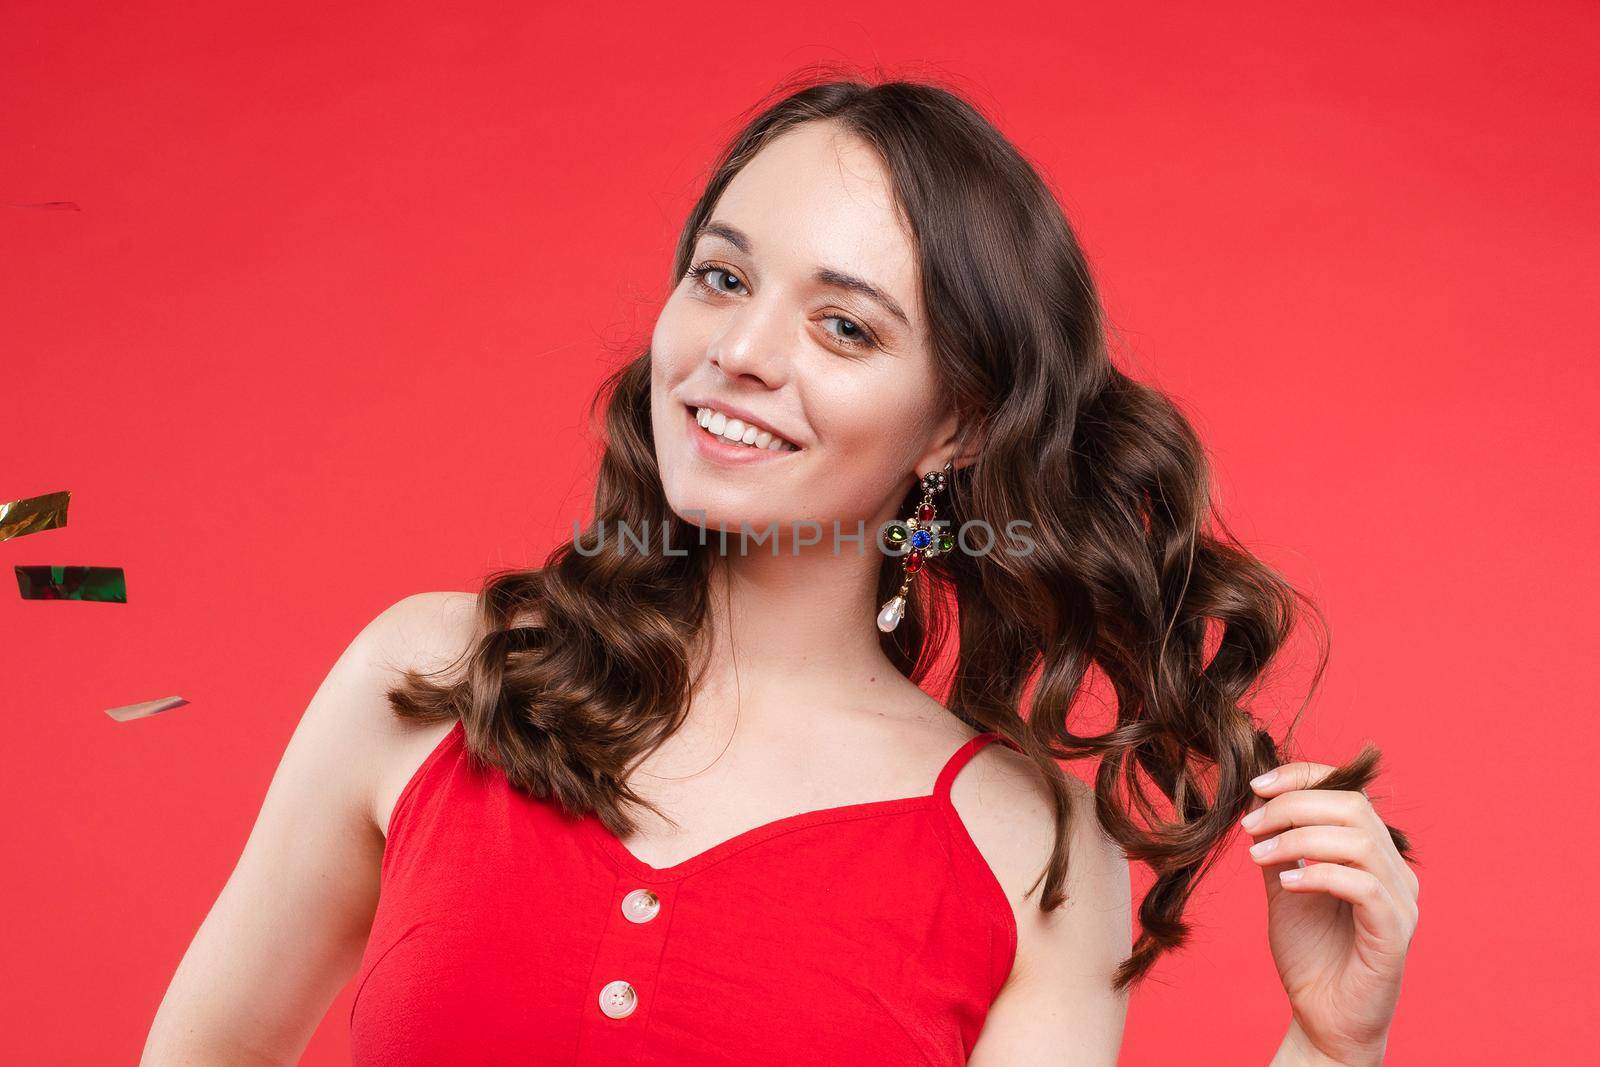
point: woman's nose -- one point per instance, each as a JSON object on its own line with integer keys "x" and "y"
{"x": 755, "y": 343}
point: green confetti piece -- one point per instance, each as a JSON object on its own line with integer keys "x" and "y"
{"x": 72, "y": 583}
{"x": 34, "y": 513}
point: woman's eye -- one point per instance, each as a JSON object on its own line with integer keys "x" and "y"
{"x": 705, "y": 275}
{"x": 853, "y": 333}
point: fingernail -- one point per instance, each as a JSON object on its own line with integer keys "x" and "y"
{"x": 1261, "y": 848}
{"x": 1293, "y": 874}
{"x": 1264, "y": 779}
{"x": 1250, "y": 820}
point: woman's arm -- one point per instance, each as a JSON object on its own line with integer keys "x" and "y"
{"x": 1058, "y": 1007}
{"x": 289, "y": 927}
{"x": 1298, "y": 1051}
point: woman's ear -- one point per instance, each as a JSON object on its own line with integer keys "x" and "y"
{"x": 948, "y": 446}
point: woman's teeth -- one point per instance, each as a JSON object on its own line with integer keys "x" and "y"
{"x": 740, "y": 433}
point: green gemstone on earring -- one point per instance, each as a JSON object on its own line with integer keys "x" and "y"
{"x": 947, "y": 542}
{"x": 897, "y": 533}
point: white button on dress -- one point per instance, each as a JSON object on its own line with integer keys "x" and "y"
{"x": 640, "y": 906}
{"x": 617, "y": 999}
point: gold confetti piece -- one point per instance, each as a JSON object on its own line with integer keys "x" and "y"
{"x": 145, "y": 710}
{"x": 33, "y": 514}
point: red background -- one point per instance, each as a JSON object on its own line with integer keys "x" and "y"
{"x": 342, "y": 281}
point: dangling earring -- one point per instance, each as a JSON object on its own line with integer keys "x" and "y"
{"x": 925, "y": 543}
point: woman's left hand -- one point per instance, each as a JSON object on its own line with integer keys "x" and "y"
{"x": 1339, "y": 926}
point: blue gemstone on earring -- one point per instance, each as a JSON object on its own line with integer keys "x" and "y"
{"x": 921, "y": 539}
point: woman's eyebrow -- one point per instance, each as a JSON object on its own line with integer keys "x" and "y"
{"x": 731, "y": 234}
{"x": 826, "y": 275}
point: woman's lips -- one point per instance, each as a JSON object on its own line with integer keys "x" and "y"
{"x": 721, "y": 450}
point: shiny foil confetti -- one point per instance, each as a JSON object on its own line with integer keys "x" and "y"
{"x": 72, "y": 583}
{"x": 145, "y": 710}
{"x": 34, "y": 513}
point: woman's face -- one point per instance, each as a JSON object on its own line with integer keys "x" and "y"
{"x": 776, "y": 324}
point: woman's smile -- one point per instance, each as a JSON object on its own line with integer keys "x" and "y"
{"x": 709, "y": 434}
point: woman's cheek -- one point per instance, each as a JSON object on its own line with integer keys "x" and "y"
{"x": 672, "y": 342}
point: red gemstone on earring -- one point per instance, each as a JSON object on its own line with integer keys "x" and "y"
{"x": 925, "y": 513}
{"x": 914, "y": 563}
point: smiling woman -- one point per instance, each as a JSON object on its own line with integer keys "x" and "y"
{"x": 693, "y": 807}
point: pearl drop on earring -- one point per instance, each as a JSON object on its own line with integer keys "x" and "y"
{"x": 891, "y": 614}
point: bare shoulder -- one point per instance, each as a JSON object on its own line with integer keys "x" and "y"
{"x": 349, "y": 732}
{"x": 1060, "y": 984}
{"x": 426, "y": 632}
{"x": 1010, "y": 812}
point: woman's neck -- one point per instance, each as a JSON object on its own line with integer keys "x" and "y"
{"x": 795, "y": 626}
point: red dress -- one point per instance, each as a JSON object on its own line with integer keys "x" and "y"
{"x": 510, "y": 932}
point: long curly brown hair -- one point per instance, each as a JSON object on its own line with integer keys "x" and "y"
{"x": 582, "y": 666}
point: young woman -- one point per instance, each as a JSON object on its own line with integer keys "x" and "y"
{"x": 679, "y": 796}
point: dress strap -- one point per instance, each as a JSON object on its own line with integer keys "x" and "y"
{"x": 960, "y": 758}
